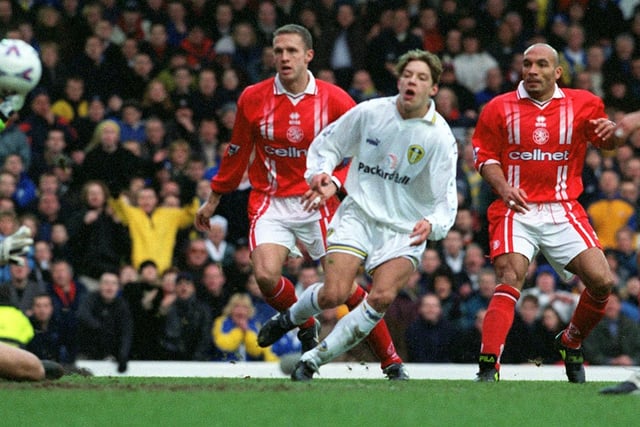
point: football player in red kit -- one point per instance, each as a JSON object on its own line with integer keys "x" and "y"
{"x": 530, "y": 146}
{"x": 276, "y": 121}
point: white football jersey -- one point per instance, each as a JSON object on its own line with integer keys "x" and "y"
{"x": 401, "y": 170}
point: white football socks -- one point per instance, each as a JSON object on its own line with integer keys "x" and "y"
{"x": 348, "y": 332}
{"x": 307, "y": 305}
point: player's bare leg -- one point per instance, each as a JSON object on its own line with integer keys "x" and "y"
{"x": 278, "y": 291}
{"x": 388, "y": 279}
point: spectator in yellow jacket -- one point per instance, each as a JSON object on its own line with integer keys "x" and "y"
{"x": 235, "y": 333}
{"x": 153, "y": 228}
{"x": 611, "y": 212}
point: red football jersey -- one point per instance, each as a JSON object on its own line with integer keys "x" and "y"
{"x": 540, "y": 146}
{"x": 277, "y": 128}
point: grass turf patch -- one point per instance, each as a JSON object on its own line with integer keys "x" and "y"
{"x": 111, "y": 401}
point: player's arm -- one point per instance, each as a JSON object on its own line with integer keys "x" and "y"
{"x": 627, "y": 125}
{"x": 327, "y": 152}
{"x": 9, "y": 107}
{"x": 206, "y": 211}
{"x": 488, "y": 140}
{"x": 442, "y": 181}
{"x": 515, "y": 198}
{"x": 232, "y": 167}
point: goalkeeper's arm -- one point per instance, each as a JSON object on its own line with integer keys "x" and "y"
{"x": 9, "y": 105}
{"x": 14, "y": 247}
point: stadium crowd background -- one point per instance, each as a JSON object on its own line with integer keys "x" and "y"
{"x": 113, "y": 153}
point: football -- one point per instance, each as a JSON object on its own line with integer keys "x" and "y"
{"x": 20, "y": 67}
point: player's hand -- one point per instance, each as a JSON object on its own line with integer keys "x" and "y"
{"x": 604, "y": 128}
{"x": 322, "y": 189}
{"x": 627, "y": 125}
{"x": 515, "y": 199}
{"x": 420, "y": 232}
{"x": 16, "y": 246}
{"x": 206, "y": 211}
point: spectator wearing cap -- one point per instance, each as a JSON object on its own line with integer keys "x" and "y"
{"x": 187, "y": 331}
{"x": 218, "y": 248}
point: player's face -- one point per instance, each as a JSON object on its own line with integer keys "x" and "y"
{"x": 540, "y": 72}
{"x": 292, "y": 60}
{"x": 416, "y": 88}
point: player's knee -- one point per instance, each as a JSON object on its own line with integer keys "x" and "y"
{"x": 331, "y": 296}
{"x": 267, "y": 281}
{"x": 380, "y": 300}
{"x": 30, "y": 369}
{"x": 601, "y": 284}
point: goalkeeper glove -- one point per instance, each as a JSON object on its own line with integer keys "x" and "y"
{"x": 14, "y": 247}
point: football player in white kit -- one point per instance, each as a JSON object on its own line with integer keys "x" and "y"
{"x": 401, "y": 191}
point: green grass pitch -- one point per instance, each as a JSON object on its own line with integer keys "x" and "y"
{"x": 248, "y": 402}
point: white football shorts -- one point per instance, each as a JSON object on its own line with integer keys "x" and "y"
{"x": 283, "y": 221}
{"x": 352, "y": 231}
{"x": 559, "y": 230}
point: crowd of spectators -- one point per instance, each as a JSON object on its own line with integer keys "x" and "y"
{"x": 113, "y": 152}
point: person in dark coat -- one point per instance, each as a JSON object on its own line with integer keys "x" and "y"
{"x": 105, "y": 327}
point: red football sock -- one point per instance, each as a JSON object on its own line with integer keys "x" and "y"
{"x": 499, "y": 319}
{"x": 587, "y": 315}
{"x": 379, "y": 338}
{"x": 283, "y": 297}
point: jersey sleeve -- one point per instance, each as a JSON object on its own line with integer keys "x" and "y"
{"x": 443, "y": 178}
{"x": 238, "y": 153}
{"x": 596, "y": 112}
{"x": 487, "y": 138}
{"x": 335, "y": 143}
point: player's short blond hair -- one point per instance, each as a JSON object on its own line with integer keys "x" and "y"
{"x": 432, "y": 61}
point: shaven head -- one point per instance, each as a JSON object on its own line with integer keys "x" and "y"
{"x": 554, "y": 52}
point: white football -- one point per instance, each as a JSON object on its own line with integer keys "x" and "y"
{"x": 20, "y": 67}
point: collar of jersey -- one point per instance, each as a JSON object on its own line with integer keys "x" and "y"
{"x": 429, "y": 117}
{"x": 311, "y": 88}
{"x": 522, "y": 93}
